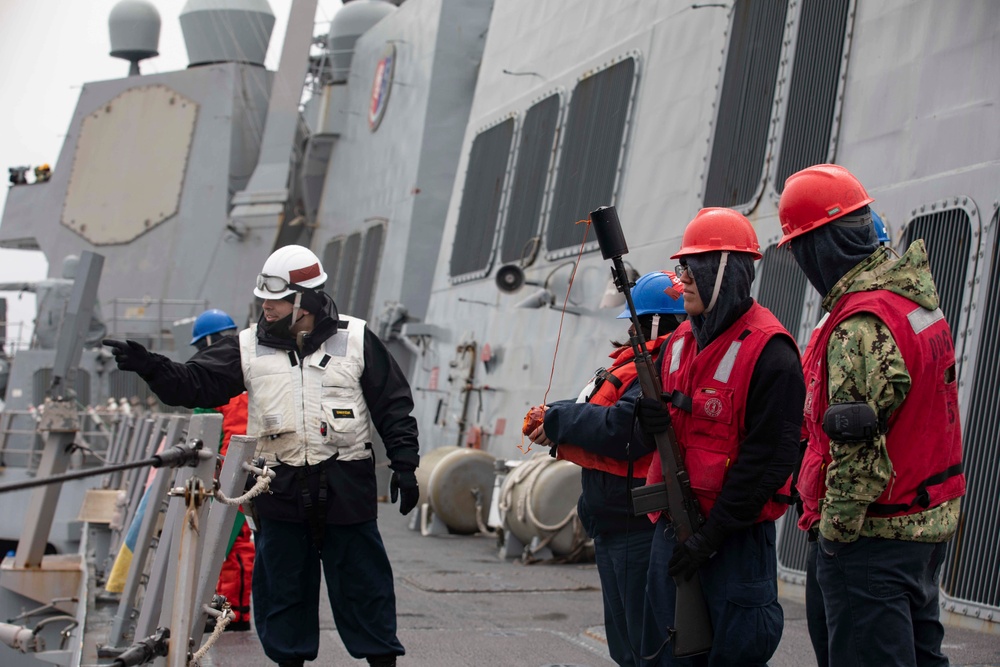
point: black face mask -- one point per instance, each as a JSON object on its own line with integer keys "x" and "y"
{"x": 734, "y": 293}
{"x": 279, "y": 328}
{"x": 827, "y": 253}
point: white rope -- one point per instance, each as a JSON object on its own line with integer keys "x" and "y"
{"x": 220, "y": 626}
{"x": 480, "y": 524}
{"x": 263, "y": 483}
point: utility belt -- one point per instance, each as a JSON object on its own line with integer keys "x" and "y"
{"x": 315, "y": 513}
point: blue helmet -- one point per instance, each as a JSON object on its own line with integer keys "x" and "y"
{"x": 880, "y": 230}
{"x": 657, "y": 292}
{"x": 211, "y": 322}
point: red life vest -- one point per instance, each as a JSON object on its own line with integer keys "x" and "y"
{"x": 924, "y": 437}
{"x": 712, "y": 387}
{"x": 615, "y": 381}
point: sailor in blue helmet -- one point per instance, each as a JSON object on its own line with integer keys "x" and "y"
{"x": 597, "y": 432}
{"x": 210, "y": 326}
{"x": 320, "y": 384}
{"x": 235, "y": 578}
{"x": 880, "y": 229}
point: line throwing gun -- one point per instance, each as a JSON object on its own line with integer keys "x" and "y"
{"x": 692, "y": 633}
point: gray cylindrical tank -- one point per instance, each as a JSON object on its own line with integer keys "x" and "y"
{"x": 542, "y": 495}
{"x": 349, "y": 23}
{"x": 451, "y": 488}
{"x": 427, "y": 463}
{"x": 134, "y": 29}
{"x": 217, "y": 31}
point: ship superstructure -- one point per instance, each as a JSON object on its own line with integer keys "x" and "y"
{"x": 437, "y": 156}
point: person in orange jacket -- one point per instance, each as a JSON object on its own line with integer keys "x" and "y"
{"x": 237, "y": 569}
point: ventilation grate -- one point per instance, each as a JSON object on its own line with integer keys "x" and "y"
{"x": 812, "y": 94}
{"x": 972, "y": 567}
{"x": 742, "y": 126}
{"x": 481, "y": 199}
{"x": 331, "y": 264}
{"x": 371, "y": 254}
{"x": 947, "y": 235}
{"x": 348, "y": 270}
{"x": 782, "y": 291}
{"x": 592, "y": 146}
{"x": 534, "y": 157}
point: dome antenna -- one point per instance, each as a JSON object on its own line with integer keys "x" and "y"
{"x": 134, "y": 26}
{"x": 226, "y": 31}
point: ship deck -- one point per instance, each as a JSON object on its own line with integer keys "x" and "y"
{"x": 459, "y": 604}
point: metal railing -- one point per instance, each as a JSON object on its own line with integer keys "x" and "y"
{"x": 150, "y": 320}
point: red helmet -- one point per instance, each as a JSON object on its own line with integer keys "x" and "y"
{"x": 815, "y": 196}
{"x": 719, "y": 229}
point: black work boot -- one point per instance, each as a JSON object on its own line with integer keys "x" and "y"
{"x": 291, "y": 663}
{"x": 382, "y": 661}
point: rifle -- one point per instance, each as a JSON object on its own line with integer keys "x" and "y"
{"x": 692, "y": 633}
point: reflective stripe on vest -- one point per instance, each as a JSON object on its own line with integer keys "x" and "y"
{"x": 708, "y": 403}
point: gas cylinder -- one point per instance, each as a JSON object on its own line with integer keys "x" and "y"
{"x": 450, "y": 479}
{"x": 456, "y": 481}
{"x": 423, "y": 472}
{"x": 539, "y": 498}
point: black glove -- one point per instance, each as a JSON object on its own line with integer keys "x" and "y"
{"x": 653, "y": 415}
{"x": 404, "y": 485}
{"x": 130, "y": 355}
{"x": 689, "y": 556}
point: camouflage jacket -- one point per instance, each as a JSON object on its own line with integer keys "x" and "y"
{"x": 866, "y": 365}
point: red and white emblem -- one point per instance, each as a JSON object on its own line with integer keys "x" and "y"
{"x": 713, "y": 407}
{"x": 381, "y": 86}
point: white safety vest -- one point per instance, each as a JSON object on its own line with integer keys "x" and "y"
{"x": 304, "y": 412}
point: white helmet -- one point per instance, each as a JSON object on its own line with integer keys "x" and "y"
{"x": 290, "y": 265}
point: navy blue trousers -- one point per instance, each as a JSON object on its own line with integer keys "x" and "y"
{"x": 286, "y": 585}
{"x": 815, "y": 610}
{"x": 622, "y": 561}
{"x": 881, "y": 602}
{"x": 741, "y": 589}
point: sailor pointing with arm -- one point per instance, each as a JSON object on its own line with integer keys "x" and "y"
{"x": 316, "y": 381}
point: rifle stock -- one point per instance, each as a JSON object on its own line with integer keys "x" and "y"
{"x": 692, "y": 624}
{"x": 692, "y": 632}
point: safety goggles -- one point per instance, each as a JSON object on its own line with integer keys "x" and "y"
{"x": 680, "y": 270}
{"x": 275, "y": 284}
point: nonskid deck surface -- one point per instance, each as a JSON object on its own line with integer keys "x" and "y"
{"x": 459, "y": 604}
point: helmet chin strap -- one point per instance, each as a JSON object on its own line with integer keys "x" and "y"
{"x": 296, "y": 307}
{"x": 654, "y": 331}
{"x": 718, "y": 280}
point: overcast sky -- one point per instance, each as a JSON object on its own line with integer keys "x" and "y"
{"x": 48, "y": 49}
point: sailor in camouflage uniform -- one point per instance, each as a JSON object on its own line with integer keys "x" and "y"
{"x": 881, "y": 476}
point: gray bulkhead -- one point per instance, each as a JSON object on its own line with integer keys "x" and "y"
{"x": 185, "y": 252}
{"x": 400, "y": 175}
{"x": 911, "y": 109}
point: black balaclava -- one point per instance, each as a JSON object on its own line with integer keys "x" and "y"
{"x": 827, "y": 253}
{"x": 734, "y": 293}
{"x": 316, "y": 301}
